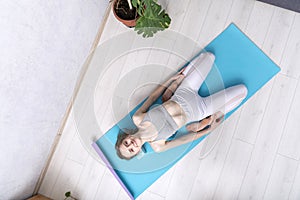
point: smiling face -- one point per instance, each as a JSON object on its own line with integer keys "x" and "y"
{"x": 130, "y": 146}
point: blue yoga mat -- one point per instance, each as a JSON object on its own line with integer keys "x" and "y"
{"x": 238, "y": 60}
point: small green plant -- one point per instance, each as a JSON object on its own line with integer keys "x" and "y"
{"x": 69, "y": 196}
{"x": 152, "y": 17}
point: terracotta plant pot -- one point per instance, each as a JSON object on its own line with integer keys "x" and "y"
{"x": 127, "y": 22}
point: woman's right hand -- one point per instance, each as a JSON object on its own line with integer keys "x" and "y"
{"x": 173, "y": 85}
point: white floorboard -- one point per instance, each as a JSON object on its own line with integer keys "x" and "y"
{"x": 181, "y": 180}
{"x": 218, "y": 13}
{"x": 108, "y": 188}
{"x": 240, "y": 12}
{"x": 161, "y": 186}
{"x": 67, "y": 181}
{"x": 282, "y": 178}
{"x": 295, "y": 192}
{"x": 255, "y": 154}
{"x": 233, "y": 171}
{"x": 268, "y": 139}
{"x": 59, "y": 158}
{"x": 211, "y": 166}
{"x": 281, "y": 22}
{"x": 253, "y": 110}
{"x": 90, "y": 178}
{"x": 290, "y": 59}
{"x": 289, "y": 144}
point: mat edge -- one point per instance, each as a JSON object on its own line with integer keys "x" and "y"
{"x": 252, "y": 41}
{"x": 107, "y": 163}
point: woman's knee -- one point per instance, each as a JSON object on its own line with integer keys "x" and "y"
{"x": 210, "y": 56}
{"x": 207, "y": 59}
{"x": 243, "y": 90}
{"x": 236, "y": 93}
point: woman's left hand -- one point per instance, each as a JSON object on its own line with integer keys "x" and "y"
{"x": 218, "y": 118}
{"x": 176, "y": 77}
{"x": 181, "y": 71}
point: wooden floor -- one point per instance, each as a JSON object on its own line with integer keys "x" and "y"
{"x": 257, "y": 154}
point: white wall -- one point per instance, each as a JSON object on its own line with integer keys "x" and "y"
{"x": 43, "y": 45}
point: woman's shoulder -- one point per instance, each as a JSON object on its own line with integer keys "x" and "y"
{"x": 158, "y": 145}
{"x": 138, "y": 119}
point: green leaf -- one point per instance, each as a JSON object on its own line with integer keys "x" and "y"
{"x": 68, "y": 194}
{"x": 152, "y": 19}
{"x": 134, "y": 3}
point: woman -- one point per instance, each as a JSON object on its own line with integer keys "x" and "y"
{"x": 156, "y": 125}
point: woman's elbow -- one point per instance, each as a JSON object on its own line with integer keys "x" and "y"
{"x": 157, "y": 148}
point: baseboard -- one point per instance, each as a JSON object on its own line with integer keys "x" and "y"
{"x": 69, "y": 107}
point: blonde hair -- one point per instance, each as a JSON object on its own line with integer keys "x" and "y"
{"x": 121, "y": 136}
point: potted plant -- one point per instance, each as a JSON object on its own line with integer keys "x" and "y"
{"x": 146, "y": 16}
{"x": 69, "y": 196}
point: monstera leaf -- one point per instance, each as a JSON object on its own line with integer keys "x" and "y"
{"x": 152, "y": 18}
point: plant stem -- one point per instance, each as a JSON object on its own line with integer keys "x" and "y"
{"x": 129, "y": 3}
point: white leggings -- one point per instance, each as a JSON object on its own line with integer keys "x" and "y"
{"x": 197, "y": 107}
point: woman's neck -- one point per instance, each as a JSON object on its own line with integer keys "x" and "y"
{"x": 145, "y": 135}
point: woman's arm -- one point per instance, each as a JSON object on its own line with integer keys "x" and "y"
{"x": 171, "y": 89}
{"x": 191, "y": 136}
{"x": 154, "y": 95}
